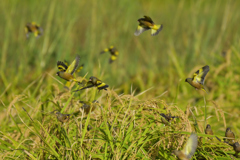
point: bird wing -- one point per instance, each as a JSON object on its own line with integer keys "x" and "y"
{"x": 105, "y": 50}
{"x": 200, "y": 75}
{"x": 140, "y": 30}
{"x": 79, "y": 68}
{"x": 101, "y": 85}
{"x": 147, "y": 18}
{"x": 73, "y": 66}
{"x": 191, "y": 146}
{"x": 112, "y": 58}
{"x": 62, "y": 67}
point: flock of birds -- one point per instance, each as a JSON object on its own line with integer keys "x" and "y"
{"x": 67, "y": 72}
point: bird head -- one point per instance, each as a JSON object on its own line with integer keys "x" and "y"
{"x": 208, "y": 126}
{"x": 236, "y": 144}
{"x": 188, "y": 80}
{"x": 93, "y": 79}
{"x": 228, "y": 130}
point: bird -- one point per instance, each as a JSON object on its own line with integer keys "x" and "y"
{"x": 87, "y": 106}
{"x": 147, "y": 23}
{"x": 113, "y": 51}
{"x": 93, "y": 82}
{"x": 230, "y": 136}
{"x": 197, "y": 81}
{"x": 236, "y": 148}
{"x": 33, "y": 28}
{"x": 189, "y": 149}
{"x": 66, "y": 72}
{"x": 61, "y": 117}
{"x": 167, "y": 118}
{"x": 208, "y": 130}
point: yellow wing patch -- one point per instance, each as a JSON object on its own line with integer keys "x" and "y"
{"x": 199, "y": 75}
{"x": 191, "y": 146}
{"x": 73, "y": 66}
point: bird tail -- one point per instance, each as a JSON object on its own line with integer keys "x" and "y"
{"x": 156, "y": 29}
{"x": 204, "y": 89}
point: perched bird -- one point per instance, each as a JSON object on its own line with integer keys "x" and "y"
{"x": 189, "y": 149}
{"x": 146, "y": 23}
{"x": 62, "y": 117}
{"x": 66, "y": 72}
{"x": 230, "y": 136}
{"x": 113, "y": 51}
{"x": 167, "y": 118}
{"x": 236, "y": 148}
{"x": 87, "y": 106}
{"x": 93, "y": 81}
{"x": 33, "y": 28}
{"x": 198, "y": 78}
{"x": 208, "y": 130}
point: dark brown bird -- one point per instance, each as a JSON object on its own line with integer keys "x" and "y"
{"x": 236, "y": 148}
{"x": 167, "y": 118}
{"x": 230, "y": 136}
{"x": 87, "y": 106}
{"x": 209, "y": 131}
{"x": 62, "y": 117}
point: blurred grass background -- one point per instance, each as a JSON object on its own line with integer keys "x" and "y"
{"x": 195, "y": 33}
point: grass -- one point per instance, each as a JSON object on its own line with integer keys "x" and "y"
{"x": 147, "y": 78}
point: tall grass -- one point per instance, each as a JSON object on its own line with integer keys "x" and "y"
{"x": 147, "y": 78}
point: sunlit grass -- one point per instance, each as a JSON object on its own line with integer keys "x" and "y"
{"x": 147, "y": 78}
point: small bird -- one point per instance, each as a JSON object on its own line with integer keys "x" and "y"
{"x": 66, "y": 72}
{"x": 208, "y": 130}
{"x": 236, "y": 148}
{"x": 93, "y": 81}
{"x": 113, "y": 51}
{"x": 197, "y": 81}
{"x": 61, "y": 117}
{"x": 167, "y": 118}
{"x": 189, "y": 149}
{"x": 230, "y": 136}
{"x": 33, "y": 28}
{"x": 87, "y": 106}
{"x": 146, "y": 23}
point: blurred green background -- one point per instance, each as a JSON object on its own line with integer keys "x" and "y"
{"x": 195, "y": 33}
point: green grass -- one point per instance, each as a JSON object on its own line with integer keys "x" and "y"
{"x": 147, "y": 78}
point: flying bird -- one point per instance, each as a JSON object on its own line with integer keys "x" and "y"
{"x": 147, "y": 23}
{"x": 113, "y": 51}
{"x": 197, "y": 81}
{"x": 61, "y": 117}
{"x": 33, "y": 28}
{"x": 66, "y": 72}
{"x": 189, "y": 149}
{"x": 94, "y": 82}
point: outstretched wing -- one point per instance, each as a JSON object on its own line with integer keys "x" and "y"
{"x": 200, "y": 75}
{"x": 73, "y": 66}
{"x": 62, "y": 67}
{"x": 191, "y": 146}
{"x": 147, "y": 18}
{"x": 140, "y": 30}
